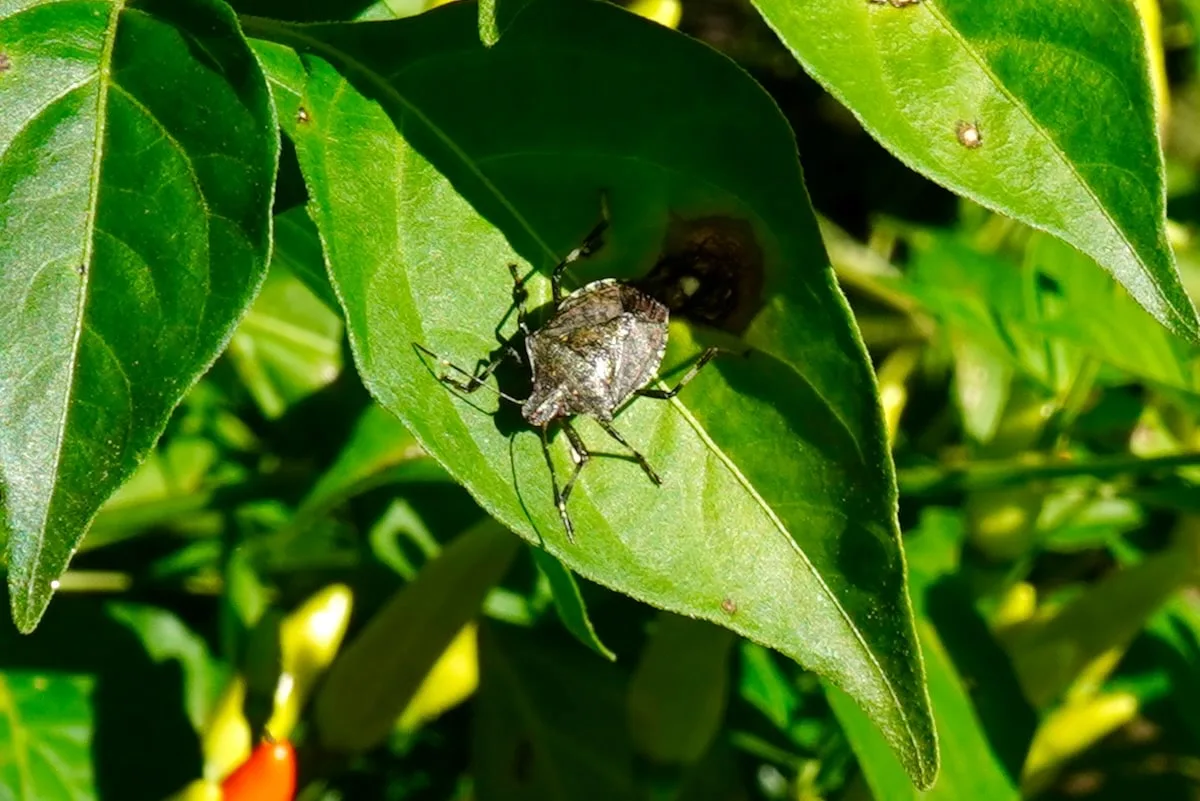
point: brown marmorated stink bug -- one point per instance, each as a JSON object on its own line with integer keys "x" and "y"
{"x": 601, "y": 346}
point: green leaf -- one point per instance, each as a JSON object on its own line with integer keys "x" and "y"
{"x": 376, "y": 676}
{"x": 46, "y": 737}
{"x": 991, "y": 302}
{"x": 289, "y": 344}
{"x": 1176, "y": 630}
{"x": 1032, "y": 76}
{"x": 777, "y": 517}
{"x": 992, "y": 724}
{"x": 1097, "y": 316}
{"x": 970, "y": 768}
{"x": 982, "y": 382}
{"x": 1051, "y": 653}
{"x": 678, "y": 693}
{"x": 569, "y": 603}
{"x": 137, "y": 156}
{"x": 298, "y": 248}
{"x": 166, "y": 638}
{"x": 380, "y": 451}
{"x": 765, "y": 687}
{"x": 550, "y": 723}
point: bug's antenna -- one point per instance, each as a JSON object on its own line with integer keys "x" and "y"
{"x": 474, "y": 381}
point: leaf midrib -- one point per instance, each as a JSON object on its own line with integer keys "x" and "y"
{"x": 748, "y": 487}
{"x": 103, "y": 75}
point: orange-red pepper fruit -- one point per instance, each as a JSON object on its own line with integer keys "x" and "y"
{"x": 268, "y": 774}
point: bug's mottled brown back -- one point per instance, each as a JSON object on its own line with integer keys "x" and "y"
{"x": 605, "y": 342}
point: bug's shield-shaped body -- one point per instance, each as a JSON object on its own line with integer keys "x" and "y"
{"x": 605, "y": 341}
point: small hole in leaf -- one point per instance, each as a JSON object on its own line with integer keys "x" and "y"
{"x": 302, "y": 115}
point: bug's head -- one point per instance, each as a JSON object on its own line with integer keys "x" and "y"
{"x": 541, "y": 406}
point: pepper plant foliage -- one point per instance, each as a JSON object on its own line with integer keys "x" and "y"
{"x": 184, "y": 182}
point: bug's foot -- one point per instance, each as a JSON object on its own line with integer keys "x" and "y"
{"x": 650, "y": 472}
{"x": 567, "y": 524}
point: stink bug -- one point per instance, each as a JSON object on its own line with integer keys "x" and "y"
{"x": 601, "y": 346}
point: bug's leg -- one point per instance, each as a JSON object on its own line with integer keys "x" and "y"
{"x": 472, "y": 381}
{"x": 612, "y": 432}
{"x": 580, "y": 456}
{"x": 520, "y": 296}
{"x": 667, "y": 394}
{"x": 591, "y": 243}
{"x": 560, "y": 496}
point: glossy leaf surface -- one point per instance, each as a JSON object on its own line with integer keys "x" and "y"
{"x": 777, "y": 514}
{"x": 1058, "y": 95}
{"x": 971, "y": 683}
{"x": 135, "y": 230}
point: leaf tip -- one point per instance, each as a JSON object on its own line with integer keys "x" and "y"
{"x": 923, "y": 760}
{"x": 28, "y": 599}
{"x": 924, "y": 769}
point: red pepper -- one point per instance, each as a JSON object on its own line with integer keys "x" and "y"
{"x": 268, "y": 774}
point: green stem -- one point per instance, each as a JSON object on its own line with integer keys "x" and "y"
{"x": 1008, "y": 472}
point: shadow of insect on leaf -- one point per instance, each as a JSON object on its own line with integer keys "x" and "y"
{"x": 710, "y": 272}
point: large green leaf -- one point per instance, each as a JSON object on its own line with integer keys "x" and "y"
{"x": 777, "y": 515}
{"x": 137, "y": 155}
{"x": 678, "y": 693}
{"x": 381, "y": 670}
{"x": 974, "y": 691}
{"x": 550, "y": 723}
{"x": 46, "y": 733}
{"x": 1033, "y": 77}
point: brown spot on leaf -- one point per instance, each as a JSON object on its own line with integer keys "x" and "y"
{"x": 302, "y": 115}
{"x": 729, "y": 606}
{"x": 5, "y": 62}
{"x": 968, "y": 134}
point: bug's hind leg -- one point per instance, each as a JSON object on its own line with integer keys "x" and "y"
{"x": 641, "y": 460}
{"x": 667, "y": 394}
{"x": 579, "y": 456}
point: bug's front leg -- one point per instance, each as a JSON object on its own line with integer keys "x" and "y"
{"x": 475, "y": 380}
{"x": 579, "y": 457}
{"x": 591, "y": 243}
{"x": 520, "y": 298}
